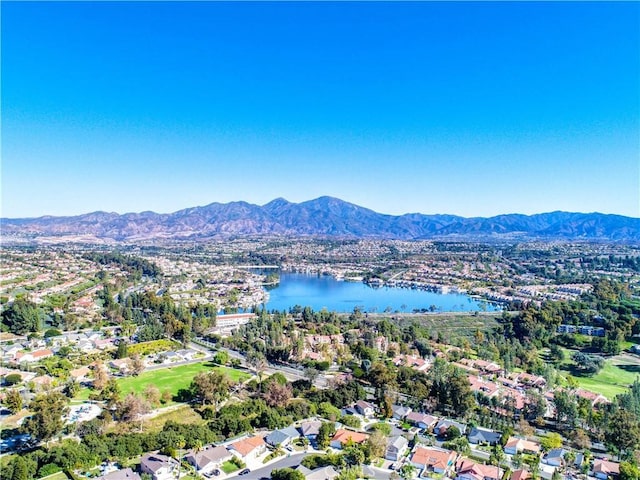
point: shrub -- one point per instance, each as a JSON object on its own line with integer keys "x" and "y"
{"x": 12, "y": 379}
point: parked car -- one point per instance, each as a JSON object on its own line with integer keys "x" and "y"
{"x": 244, "y": 472}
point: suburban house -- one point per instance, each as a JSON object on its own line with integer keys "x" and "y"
{"x": 123, "y": 365}
{"x": 520, "y": 475}
{"x": 249, "y": 448}
{"x": 310, "y": 429}
{"x": 604, "y": 469}
{"x": 209, "y": 459}
{"x": 365, "y": 409}
{"x": 396, "y": 448}
{"x": 555, "y": 457}
{"x": 421, "y": 420}
{"x": 282, "y": 437}
{"x": 343, "y": 436}
{"x": 400, "y": 412}
{"x": 470, "y": 470}
{"x": 520, "y": 445}
{"x": 160, "y": 467}
{"x": 80, "y": 374}
{"x": 126, "y": 474}
{"x": 320, "y": 473}
{"x": 595, "y": 398}
{"x": 489, "y": 368}
{"x": 443, "y": 425}
{"x": 480, "y": 435}
{"x": 433, "y": 459}
{"x": 35, "y": 356}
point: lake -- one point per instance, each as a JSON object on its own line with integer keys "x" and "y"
{"x": 323, "y": 291}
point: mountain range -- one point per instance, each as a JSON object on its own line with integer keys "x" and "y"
{"x": 325, "y": 217}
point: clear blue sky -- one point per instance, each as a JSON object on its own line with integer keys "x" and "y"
{"x": 471, "y": 108}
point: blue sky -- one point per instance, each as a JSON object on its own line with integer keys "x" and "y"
{"x": 468, "y": 108}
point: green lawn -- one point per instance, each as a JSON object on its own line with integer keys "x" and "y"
{"x": 174, "y": 378}
{"x": 171, "y": 378}
{"x": 228, "y": 467}
{"x": 56, "y": 476}
{"x": 614, "y": 378}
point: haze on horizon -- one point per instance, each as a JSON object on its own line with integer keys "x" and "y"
{"x": 473, "y": 109}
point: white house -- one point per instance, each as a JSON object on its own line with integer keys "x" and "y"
{"x": 160, "y": 467}
{"x": 209, "y": 459}
{"x": 248, "y": 448}
{"x": 396, "y": 448}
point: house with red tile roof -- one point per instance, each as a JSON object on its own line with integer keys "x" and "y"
{"x": 438, "y": 460}
{"x": 421, "y": 420}
{"x": 343, "y": 437}
{"x": 604, "y": 469}
{"x": 520, "y": 475}
{"x": 595, "y": 398}
{"x": 470, "y": 470}
{"x": 249, "y": 448}
{"x": 35, "y": 356}
{"x": 520, "y": 445}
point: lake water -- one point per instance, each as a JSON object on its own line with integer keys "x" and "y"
{"x": 320, "y": 292}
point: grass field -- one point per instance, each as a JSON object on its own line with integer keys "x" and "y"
{"x": 182, "y": 414}
{"x": 174, "y": 378}
{"x": 170, "y": 379}
{"x": 56, "y": 476}
{"x": 615, "y": 377}
{"x": 452, "y": 324}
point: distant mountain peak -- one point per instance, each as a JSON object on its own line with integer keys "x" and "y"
{"x": 325, "y": 216}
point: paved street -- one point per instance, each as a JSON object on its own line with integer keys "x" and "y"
{"x": 292, "y": 461}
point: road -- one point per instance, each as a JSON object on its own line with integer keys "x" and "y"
{"x": 292, "y": 461}
{"x": 291, "y": 374}
{"x": 295, "y": 459}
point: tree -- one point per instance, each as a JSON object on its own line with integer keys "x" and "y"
{"x": 377, "y": 444}
{"x": 452, "y": 433}
{"x": 20, "y": 469}
{"x": 550, "y": 441}
{"x": 152, "y": 395}
{"x": 258, "y": 363}
{"x": 581, "y": 439}
{"x": 123, "y": 350}
{"x": 277, "y": 395}
{"x": 286, "y": 474}
{"x": 46, "y": 421}
{"x": 132, "y": 408}
{"x": 111, "y": 392}
{"x": 328, "y": 411}
{"x": 629, "y": 471}
{"x": 407, "y": 471}
{"x": 497, "y": 456}
{"x": 137, "y": 365}
{"x": 12, "y": 379}
{"x": 353, "y": 454}
{"x": 325, "y": 433}
{"x": 22, "y": 316}
{"x": 524, "y": 428}
{"x": 13, "y": 401}
{"x": 71, "y": 389}
{"x": 566, "y": 408}
{"x": 100, "y": 377}
{"x": 623, "y": 431}
{"x": 210, "y": 387}
{"x": 221, "y": 357}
